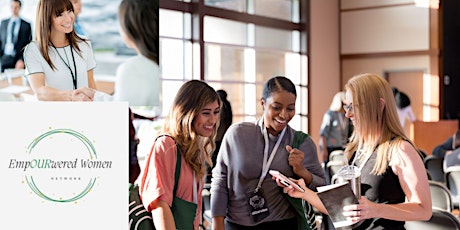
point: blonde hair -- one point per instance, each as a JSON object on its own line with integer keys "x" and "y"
{"x": 191, "y": 98}
{"x": 378, "y": 127}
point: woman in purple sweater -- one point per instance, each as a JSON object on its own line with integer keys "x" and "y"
{"x": 243, "y": 194}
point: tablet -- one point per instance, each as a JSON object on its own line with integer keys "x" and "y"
{"x": 286, "y": 181}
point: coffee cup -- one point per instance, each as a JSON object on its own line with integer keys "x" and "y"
{"x": 352, "y": 175}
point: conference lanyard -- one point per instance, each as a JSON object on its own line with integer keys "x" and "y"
{"x": 74, "y": 76}
{"x": 266, "y": 163}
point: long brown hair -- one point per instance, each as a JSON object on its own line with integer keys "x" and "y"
{"x": 377, "y": 127}
{"x": 46, "y": 10}
{"x": 139, "y": 21}
{"x": 191, "y": 98}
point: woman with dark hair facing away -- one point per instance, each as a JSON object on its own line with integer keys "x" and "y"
{"x": 243, "y": 195}
{"x": 58, "y": 61}
{"x": 138, "y": 78}
{"x": 189, "y": 128}
{"x": 394, "y": 182}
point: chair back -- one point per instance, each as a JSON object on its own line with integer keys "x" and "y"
{"x": 206, "y": 200}
{"x": 336, "y": 155}
{"x": 440, "y": 220}
{"x": 335, "y": 179}
{"x": 333, "y": 167}
{"x": 422, "y": 153}
{"x": 453, "y": 183}
{"x": 434, "y": 165}
{"x": 440, "y": 196}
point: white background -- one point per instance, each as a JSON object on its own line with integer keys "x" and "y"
{"x": 105, "y": 206}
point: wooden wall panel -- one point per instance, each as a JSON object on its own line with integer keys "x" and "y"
{"x": 427, "y": 135}
{"x": 379, "y": 66}
{"x": 355, "y": 4}
{"x": 389, "y": 29}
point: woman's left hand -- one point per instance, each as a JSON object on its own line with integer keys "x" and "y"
{"x": 364, "y": 210}
{"x": 295, "y": 158}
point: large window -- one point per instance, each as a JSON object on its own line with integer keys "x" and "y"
{"x": 235, "y": 45}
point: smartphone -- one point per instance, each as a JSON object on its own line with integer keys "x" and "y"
{"x": 285, "y": 181}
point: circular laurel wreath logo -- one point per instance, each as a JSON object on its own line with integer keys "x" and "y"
{"x": 92, "y": 155}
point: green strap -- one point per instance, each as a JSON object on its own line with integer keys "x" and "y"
{"x": 305, "y": 212}
{"x": 177, "y": 173}
{"x": 299, "y": 137}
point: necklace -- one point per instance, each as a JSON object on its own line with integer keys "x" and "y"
{"x": 360, "y": 154}
{"x": 74, "y": 76}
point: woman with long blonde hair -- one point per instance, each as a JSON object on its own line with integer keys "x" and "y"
{"x": 189, "y": 128}
{"x": 394, "y": 182}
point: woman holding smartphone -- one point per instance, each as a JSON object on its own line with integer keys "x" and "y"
{"x": 394, "y": 182}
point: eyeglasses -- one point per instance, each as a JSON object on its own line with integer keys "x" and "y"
{"x": 348, "y": 108}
